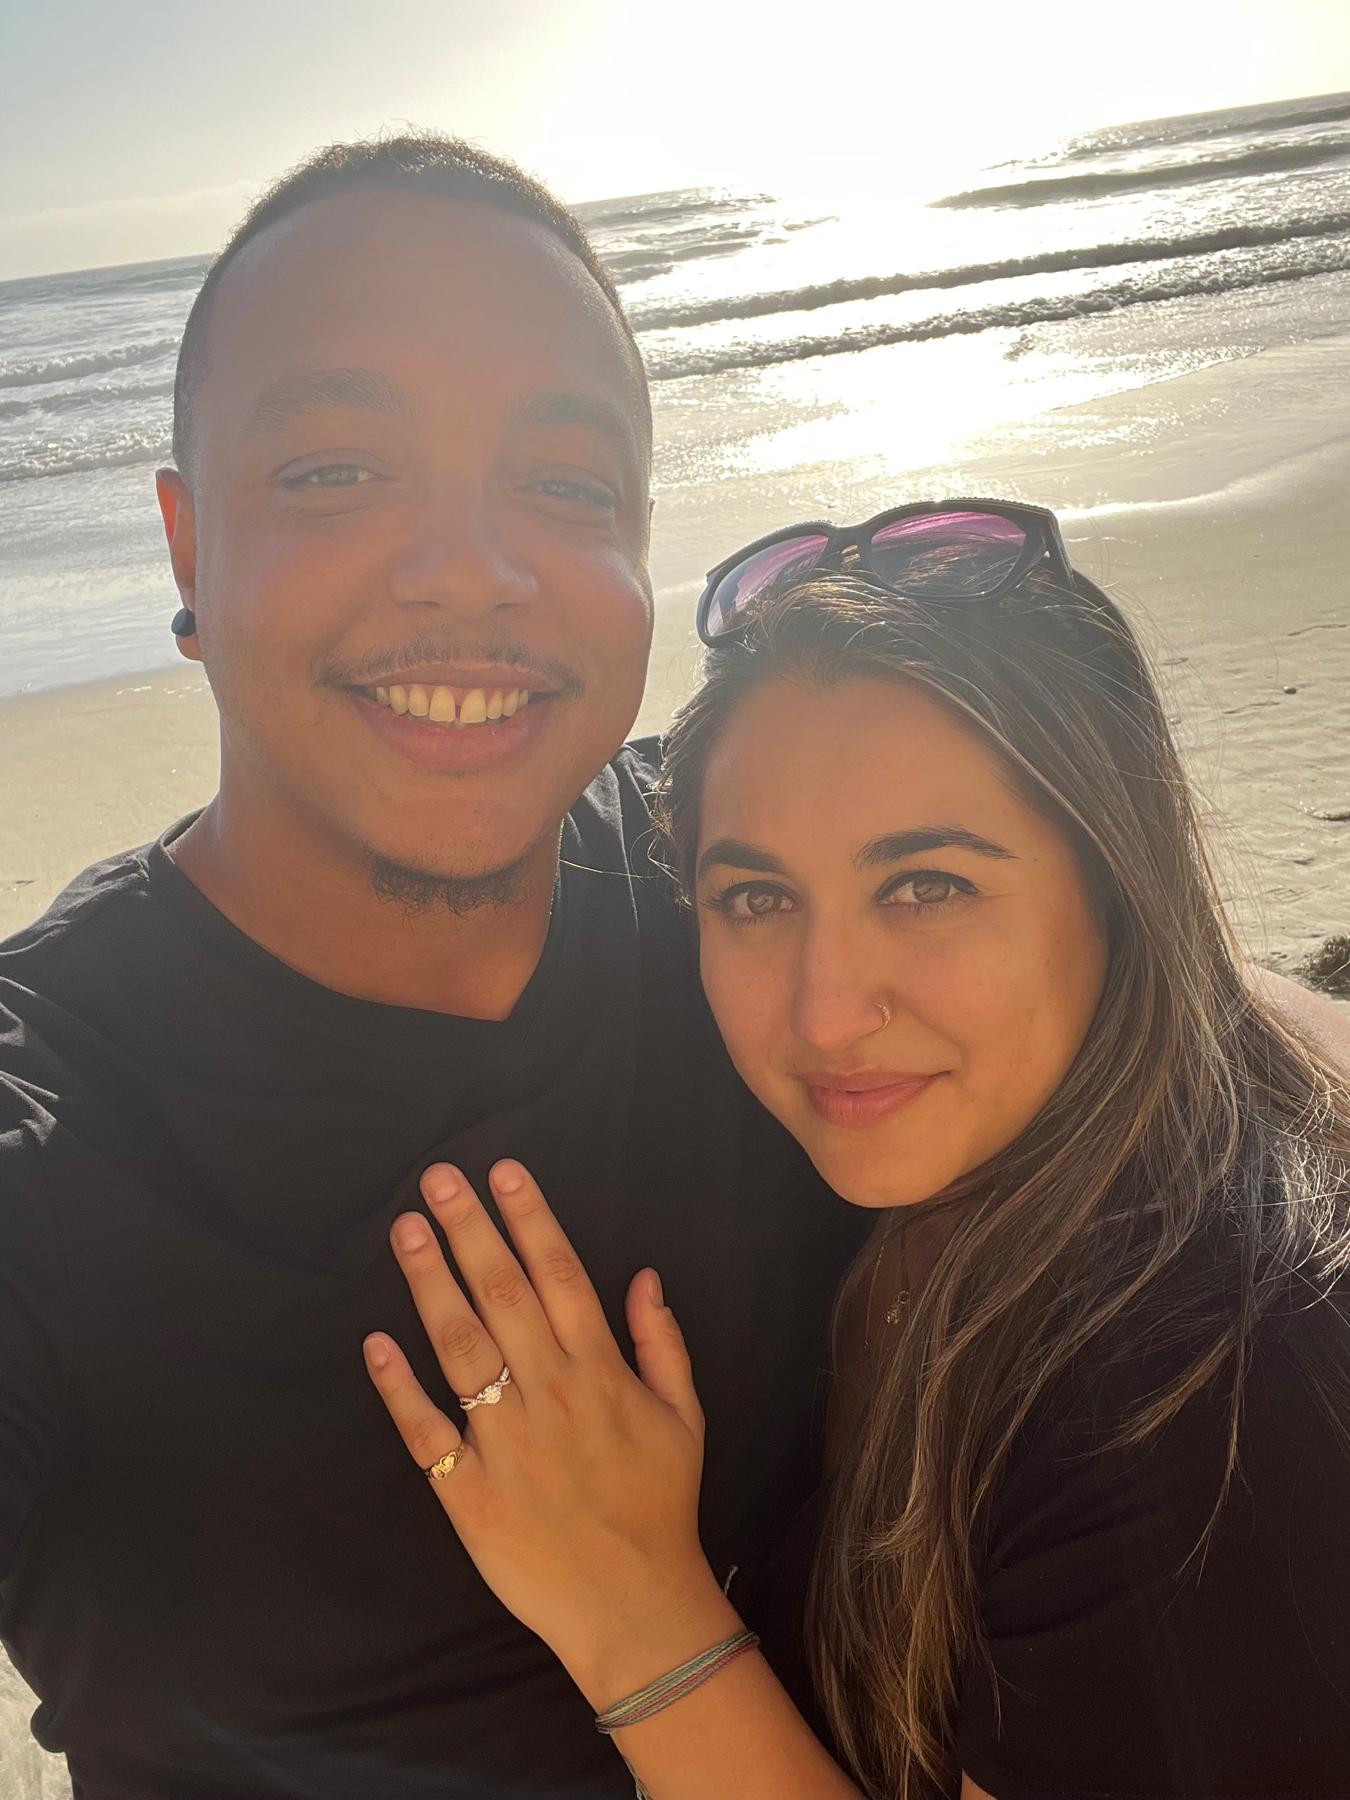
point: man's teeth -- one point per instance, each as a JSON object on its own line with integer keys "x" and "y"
{"x": 478, "y": 707}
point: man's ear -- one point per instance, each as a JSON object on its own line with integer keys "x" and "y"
{"x": 180, "y": 529}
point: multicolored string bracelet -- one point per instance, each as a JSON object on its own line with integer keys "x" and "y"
{"x": 667, "y": 1689}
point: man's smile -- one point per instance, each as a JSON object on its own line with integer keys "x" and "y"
{"x": 455, "y": 731}
{"x": 452, "y": 706}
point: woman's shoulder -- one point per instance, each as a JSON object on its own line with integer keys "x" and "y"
{"x": 1276, "y": 1399}
{"x": 1162, "y": 1616}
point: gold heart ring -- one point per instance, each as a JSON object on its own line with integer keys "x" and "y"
{"x": 450, "y": 1461}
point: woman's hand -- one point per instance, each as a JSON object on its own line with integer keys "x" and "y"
{"x": 576, "y": 1492}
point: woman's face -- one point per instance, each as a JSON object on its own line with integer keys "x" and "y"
{"x": 861, "y": 853}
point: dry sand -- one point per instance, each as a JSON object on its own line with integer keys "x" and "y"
{"x": 1213, "y": 506}
{"x": 92, "y": 769}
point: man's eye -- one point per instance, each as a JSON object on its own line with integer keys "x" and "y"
{"x": 750, "y": 900}
{"x": 585, "y": 492}
{"x": 330, "y": 475}
{"x": 926, "y": 890}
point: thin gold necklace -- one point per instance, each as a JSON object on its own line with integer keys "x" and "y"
{"x": 895, "y": 1312}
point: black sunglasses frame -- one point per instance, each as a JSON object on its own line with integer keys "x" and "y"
{"x": 1044, "y": 543}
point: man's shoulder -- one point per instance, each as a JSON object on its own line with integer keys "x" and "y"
{"x": 86, "y": 909}
{"x": 642, "y": 757}
{"x": 88, "y": 949}
{"x": 632, "y": 774}
{"x": 613, "y": 818}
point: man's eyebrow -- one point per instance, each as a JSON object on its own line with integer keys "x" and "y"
{"x": 895, "y": 845}
{"x": 559, "y": 408}
{"x": 365, "y": 389}
{"x": 736, "y": 854}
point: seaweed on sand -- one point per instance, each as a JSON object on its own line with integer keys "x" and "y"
{"x": 1328, "y": 967}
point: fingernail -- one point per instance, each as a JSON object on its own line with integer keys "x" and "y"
{"x": 377, "y": 1352}
{"x": 410, "y": 1232}
{"x": 507, "y": 1177}
{"x": 440, "y": 1184}
{"x": 654, "y": 1289}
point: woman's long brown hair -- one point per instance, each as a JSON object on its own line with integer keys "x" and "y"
{"x": 1194, "y": 1163}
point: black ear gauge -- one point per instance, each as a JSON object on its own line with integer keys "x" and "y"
{"x": 184, "y": 623}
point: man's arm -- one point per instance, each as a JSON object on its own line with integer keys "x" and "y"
{"x": 1324, "y": 1020}
{"x": 32, "y": 1360}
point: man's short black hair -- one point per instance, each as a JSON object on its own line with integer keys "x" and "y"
{"x": 421, "y": 163}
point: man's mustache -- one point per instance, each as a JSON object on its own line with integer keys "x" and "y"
{"x": 375, "y": 668}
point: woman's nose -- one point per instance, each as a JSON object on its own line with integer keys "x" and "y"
{"x": 838, "y": 1000}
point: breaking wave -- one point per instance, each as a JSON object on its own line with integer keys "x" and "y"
{"x": 1091, "y": 184}
{"x": 128, "y": 448}
{"x": 667, "y": 363}
{"x": 42, "y": 406}
{"x": 1050, "y": 262}
{"x": 71, "y": 368}
{"x": 1288, "y": 115}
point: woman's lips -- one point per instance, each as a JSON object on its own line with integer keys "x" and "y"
{"x": 863, "y": 1099}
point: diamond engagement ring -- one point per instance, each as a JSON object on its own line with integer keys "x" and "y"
{"x": 488, "y": 1396}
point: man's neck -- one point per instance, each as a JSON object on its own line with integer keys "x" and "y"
{"x": 311, "y": 903}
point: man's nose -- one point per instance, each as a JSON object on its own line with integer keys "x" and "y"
{"x": 835, "y": 1003}
{"x": 456, "y": 557}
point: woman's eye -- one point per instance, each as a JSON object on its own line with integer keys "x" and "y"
{"x": 925, "y": 890}
{"x": 330, "y": 475}
{"x": 751, "y": 900}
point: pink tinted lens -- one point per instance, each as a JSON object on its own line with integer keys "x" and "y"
{"x": 955, "y": 555}
{"x": 779, "y": 563}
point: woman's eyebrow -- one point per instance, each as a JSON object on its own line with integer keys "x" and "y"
{"x": 736, "y": 854}
{"x": 895, "y": 845}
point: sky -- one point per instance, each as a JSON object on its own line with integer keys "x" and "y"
{"x": 131, "y": 129}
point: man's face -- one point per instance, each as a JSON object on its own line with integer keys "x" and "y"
{"x": 419, "y": 482}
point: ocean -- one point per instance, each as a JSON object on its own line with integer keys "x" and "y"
{"x": 893, "y": 322}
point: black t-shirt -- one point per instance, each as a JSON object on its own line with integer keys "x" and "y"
{"x": 1131, "y": 1654}
{"x": 219, "y": 1569}
{"x": 1136, "y": 1655}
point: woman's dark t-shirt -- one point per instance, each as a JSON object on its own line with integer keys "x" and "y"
{"x": 218, "y": 1567}
{"x": 1134, "y": 1654}
{"x": 1134, "y": 1651}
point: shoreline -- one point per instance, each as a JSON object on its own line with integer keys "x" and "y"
{"x": 1210, "y": 504}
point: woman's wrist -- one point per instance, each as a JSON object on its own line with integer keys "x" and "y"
{"x": 658, "y": 1629}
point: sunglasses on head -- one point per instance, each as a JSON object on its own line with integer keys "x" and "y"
{"x": 945, "y": 550}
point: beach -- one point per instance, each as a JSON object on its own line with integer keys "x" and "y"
{"x": 1211, "y": 504}
{"x": 1185, "y": 414}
